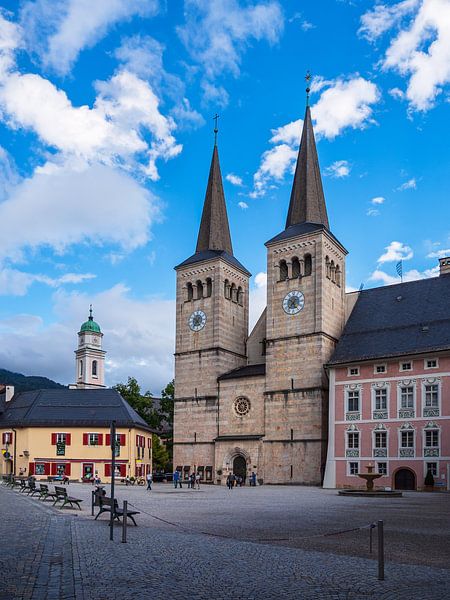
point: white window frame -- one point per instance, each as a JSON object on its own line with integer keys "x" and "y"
{"x": 8, "y": 437}
{"x": 94, "y": 375}
{"x": 380, "y": 413}
{"x": 384, "y": 462}
{"x": 426, "y": 366}
{"x": 407, "y": 427}
{"x": 349, "y": 474}
{"x": 352, "y": 430}
{"x": 425, "y": 383}
{"x": 425, "y": 468}
{"x": 375, "y": 367}
{"x": 436, "y": 450}
{"x": 400, "y": 386}
{"x": 90, "y": 442}
{"x": 350, "y": 374}
{"x": 380, "y": 428}
{"x": 406, "y": 362}
{"x": 61, "y": 438}
{"x": 347, "y": 401}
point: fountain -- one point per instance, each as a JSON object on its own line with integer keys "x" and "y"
{"x": 369, "y": 477}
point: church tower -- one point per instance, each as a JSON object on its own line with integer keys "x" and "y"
{"x": 89, "y": 356}
{"x": 305, "y": 317}
{"x": 211, "y": 327}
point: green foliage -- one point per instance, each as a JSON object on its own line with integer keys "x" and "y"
{"x": 167, "y": 403}
{"x": 24, "y": 383}
{"x": 142, "y": 403}
{"x": 160, "y": 454}
{"x": 429, "y": 479}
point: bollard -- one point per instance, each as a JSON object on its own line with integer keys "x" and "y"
{"x": 370, "y": 538}
{"x": 124, "y": 522}
{"x": 380, "y": 551}
{"x": 92, "y": 503}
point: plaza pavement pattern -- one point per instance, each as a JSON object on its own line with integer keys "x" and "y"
{"x": 248, "y": 543}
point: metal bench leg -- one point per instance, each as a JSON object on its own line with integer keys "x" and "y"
{"x": 132, "y": 518}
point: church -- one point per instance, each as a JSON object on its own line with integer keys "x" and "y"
{"x": 259, "y": 402}
{"x": 327, "y": 383}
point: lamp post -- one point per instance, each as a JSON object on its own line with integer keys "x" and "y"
{"x": 112, "y": 435}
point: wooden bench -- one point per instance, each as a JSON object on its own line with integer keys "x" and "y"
{"x": 33, "y": 490}
{"x": 61, "y": 494}
{"x": 62, "y": 478}
{"x": 105, "y": 505}
{"x": 44, "y": 492}
{"x": 29, "y": 485}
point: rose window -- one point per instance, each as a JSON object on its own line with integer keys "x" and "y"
{"x": 242, "y": 406}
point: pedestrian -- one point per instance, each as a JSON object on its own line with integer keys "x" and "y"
{"x": 149, "y": 481}
{"x": 253, "y": 479}
{"x": 189, "y": 482}
{"x": 197, "y": 480}
{"x": 239, "y": 481}
{"x": 230, "y": 481}
{"x": 176, "y": 477}
{"x": 193, "y": 480}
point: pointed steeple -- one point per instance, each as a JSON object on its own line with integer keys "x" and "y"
{"x": 307, "y": 202}
{"x": 214, "y": 233}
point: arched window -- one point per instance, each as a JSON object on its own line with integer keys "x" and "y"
{"x": 283, "y": 270}
{"x": 295, "y": 267}
{"x": 94, "y": 368}
{"x": 308, "y": 264}
{"x": 332, "y": 271}
{"x": 199, "y": 285}
{"x": 81, "y": 368}
{"x": 233, "y": 293}
{"x": 240, "y": 296}
{"x": 190, "y": 291}
{"x": 338, "y": 276}
{"x": 208, "y": 287}
{"x": 226, "y": 289}
{"x": 327, "y": 267}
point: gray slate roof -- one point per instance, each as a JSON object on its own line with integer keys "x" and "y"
{"x": 302, "y": 229}
{"x": 76, "y": 408}
{"x": 397, "y": 320}
{"x": 247, "y": 371}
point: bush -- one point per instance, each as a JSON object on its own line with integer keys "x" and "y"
{"x": 429, "y": 479}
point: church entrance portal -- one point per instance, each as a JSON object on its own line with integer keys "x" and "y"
{"x": 240, "y": 467}
{"x": 405, "y": 479}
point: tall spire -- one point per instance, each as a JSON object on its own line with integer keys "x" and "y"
{"x": 214, "y": 233}
{"x": 307, "y": 202}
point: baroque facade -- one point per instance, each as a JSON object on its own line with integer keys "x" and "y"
{"x": 259, "y": 402}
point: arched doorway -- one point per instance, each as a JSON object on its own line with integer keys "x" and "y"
{"x": 240, "y": 467}
{"x": 405, "y": 479}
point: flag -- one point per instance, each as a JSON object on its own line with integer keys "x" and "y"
{"x": 399, "y": 268}
{"x": 361, "y": 287}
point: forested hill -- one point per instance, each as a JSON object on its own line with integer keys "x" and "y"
{"x": 24, "y": 383}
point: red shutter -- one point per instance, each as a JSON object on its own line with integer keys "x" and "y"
{"x": 137, "y": 440}
{"x": 123, "y": 470}
{"x": 53, "y": 439}
{"x": 54, "y": 469}
{"x": 107, "y": 470}
{"x": 108, "y": 439}
{"x": 100, "y": 439}
{"x": 85, "y": 439}
{"x": 31, "y": 468}
{"x": 122, "y": 439}
{"x": 46, "y": 468}
{"x": 68, "y": 438}
{"x": 67, "y": 471}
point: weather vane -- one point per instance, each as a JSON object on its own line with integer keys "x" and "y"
{"x": 308, "y": 89}
{"x": 216, "y": 128}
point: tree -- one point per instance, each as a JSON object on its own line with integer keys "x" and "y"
{"x": 142, "y": 403}
{"x": 167, "y": 403}
{"x": 160, "y": 454}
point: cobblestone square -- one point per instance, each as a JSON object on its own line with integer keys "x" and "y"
{"x": 264, "y": 542}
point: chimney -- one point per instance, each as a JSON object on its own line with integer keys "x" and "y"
{"x": 444, "y": 266}
{"x": 9, "y": 391}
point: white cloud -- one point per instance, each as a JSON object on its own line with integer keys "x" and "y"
{"x": 439, "y": 253}
{"x": 378, "y": 200}
{"x": 397, "y": 93}
{"x": 17, "y": 283}
{"x": 243, "y": 205}
{"x": 420, "y": 51}
{"x": 382, "y": 17}
{"x": 70, "y": 206}
{"x": 58, "y": 30}
{"x": 372, "y": 212}
{"x": 396, "y": 251}
{"x": 412, "y": 275}
{"x": 216, "y": 35}
{"x": 138, "y": 338}
{"x": 304, "y": 24}
{"x": 338, "y": 170}
{"x": 187, "y": 116}
{"x": 258, "y": 298}
{"x": 411, "y": 184}
{"x": 234, "y": 179}
{"x": 342, "y": 104}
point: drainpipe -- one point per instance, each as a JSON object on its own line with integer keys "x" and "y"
{"x": 14, "y": 453}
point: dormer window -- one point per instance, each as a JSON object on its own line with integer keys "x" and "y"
{"x": 406, "y": 366}
{"x": 353, "y": 371}
{"x": 380, "y": 369}
{"x": 431, "y": 363}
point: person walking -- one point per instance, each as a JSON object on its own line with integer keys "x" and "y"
{"x": 176, "y": 477}
{"x": 253, "y": 479}
{"x": 197, "y": 480}
{"x": 149, "y": 481}
{"x": 230, "y": 481}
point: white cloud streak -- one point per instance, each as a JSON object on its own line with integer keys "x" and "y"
{"x": 234, "y": 179}
{"x": 411, "y": 184}
{"x": 396, "y": 251}
{"x": 338, "y": 170}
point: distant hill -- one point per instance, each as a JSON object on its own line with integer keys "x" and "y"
{"x": 24, "y": 383}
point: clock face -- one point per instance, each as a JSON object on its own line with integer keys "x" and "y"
{"x": 95, "y": 341}
{"x": 293, "y": 302}
{"x": 197, "y": 320}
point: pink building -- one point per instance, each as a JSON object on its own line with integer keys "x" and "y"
{"x": 389, "y": 403}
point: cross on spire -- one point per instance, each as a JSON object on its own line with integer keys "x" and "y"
{"x": 308, "y": 89}
{"x": 216, "y": 128}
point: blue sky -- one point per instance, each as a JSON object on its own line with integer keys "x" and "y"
{"x": 106, "y": 138}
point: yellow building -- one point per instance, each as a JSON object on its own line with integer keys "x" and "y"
{"x": 67, "y": 431}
